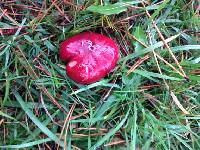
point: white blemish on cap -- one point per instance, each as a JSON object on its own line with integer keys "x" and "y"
{"x": 86, "y": 69}
{"x": 73, "y": 63}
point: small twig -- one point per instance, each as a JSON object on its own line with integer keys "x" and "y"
{"x": 61, "y": 12}
{"x": 3, "y": 13}
{"x": 27, "y": 7}
{"x": 168, "y": 64}
{"x": 115, "y": 143}
{"x": 180, "y": 106}
{"x": 92, "y": 129}
{"x": 41, "y": 67}
{"x": 146, "y": 87}
{"x": 65, "y": 126}
{"x": 159, "y": 69}
{"x": 75, "y": 147}
{"x": 136, "y": 39}
{"x": 1, "y": 121}
{"x": 138, "y": 63}
{"x": 38, "y": 56}
{"x": 47, "y": 146}
{"x": 92, "y": 135}
{"x": 47, "y": 112}
{"x": 46, "y": 12}
{"x": 196, "y": 72}
{"x": 10, "y": 18}
{"x": 129, "y": 18}
{"x": 81, "y": 114}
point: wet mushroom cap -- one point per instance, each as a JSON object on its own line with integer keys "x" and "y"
{"x": 89, "y": 56}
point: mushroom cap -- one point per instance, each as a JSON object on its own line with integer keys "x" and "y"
{"x": 89, "y": 56}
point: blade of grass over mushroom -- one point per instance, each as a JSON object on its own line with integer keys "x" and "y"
{"x": 37, "y": 122}
{"x": 105, "y": 48}
{"x": 25, "y": 145}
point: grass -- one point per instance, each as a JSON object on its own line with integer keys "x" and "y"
{"x": 150, "y": 101}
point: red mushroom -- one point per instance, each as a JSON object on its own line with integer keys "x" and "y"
{"x": 89, "y": 56}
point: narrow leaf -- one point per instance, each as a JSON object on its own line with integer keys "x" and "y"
{"x": 111, "y": 9}
{"x": 139, "y": 33}
{"x": 106, "y": 105}
{"x": 24, "y": 145}
{"x": 109, "y": 134}
{"x": 37, "y": 122}
{"x": 155, "y": 75}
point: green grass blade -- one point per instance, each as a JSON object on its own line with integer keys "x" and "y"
{"x": 111, "y": 9}
{"x": 134, "y": 129}
{"x": 111, "y": 133}
{"x": 100, "y": 83}
{"x": 25, "y": 145}
{"x": 105, "y": 106}
{"x": 181, "y": 140}
{"x": 7, "y": 116}
{"x": 37, "y": 122}
{"x": 155, "y": 75}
